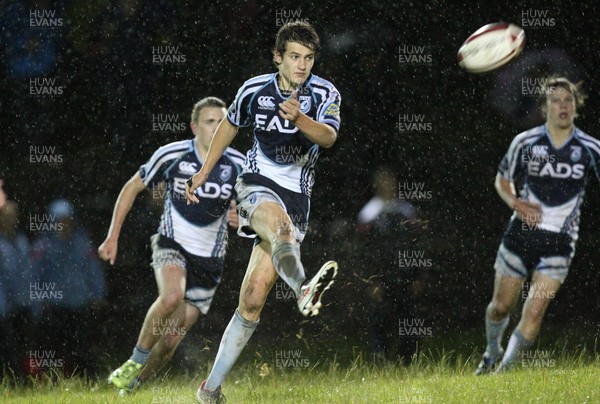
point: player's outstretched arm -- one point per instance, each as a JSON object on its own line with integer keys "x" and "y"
{"x": 528, "y": 212}
{"x": 222, "y": 138}
{"x": 131, "y": 189}
{"x": 319, "y": 133}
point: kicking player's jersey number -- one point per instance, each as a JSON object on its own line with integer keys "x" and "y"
{"x": 208, "y": 190}
{"x": 560, "y": 170}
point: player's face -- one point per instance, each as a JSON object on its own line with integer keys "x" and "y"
{"x": 560, "y": 108}
{"x": 208, "y": 120}
{"x": 295, "y": 64}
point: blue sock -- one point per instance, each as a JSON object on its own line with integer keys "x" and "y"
{"x": 236, "y": 336}
{"x": 494, "y": 331}
{"x": 516, "y": 345}
{"x": 140, "y": 355}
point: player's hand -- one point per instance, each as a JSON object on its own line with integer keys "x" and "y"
{"x": 290, "y": 108}
{"x": 108, "y": 250}
{"x": 232, "y": 216}
{"x": 191, "y": 184}
{"x": 530, "y": 213}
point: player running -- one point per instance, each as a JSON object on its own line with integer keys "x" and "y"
{"x": 553, "y": 164}
{"x": 189, "y": 248}
{"x": 294, "y": 114}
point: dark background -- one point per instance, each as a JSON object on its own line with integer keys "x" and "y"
{"x": 102, "y": 126}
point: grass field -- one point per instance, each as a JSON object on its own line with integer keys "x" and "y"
{"x": 433, "y": 378}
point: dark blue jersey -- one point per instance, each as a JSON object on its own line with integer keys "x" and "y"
{"x": 554, "y": 178}
{"x": 200, "y": 229}
{"x": 280, "y": 151}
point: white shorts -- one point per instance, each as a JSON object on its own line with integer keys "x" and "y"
{"x": 251, "y": 196}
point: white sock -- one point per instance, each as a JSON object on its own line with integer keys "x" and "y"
{"x": 236, "y": 336}
{"x": 286, "y": 258}
{"x": 516, "y": 344}
{"x": 494, "y": 331}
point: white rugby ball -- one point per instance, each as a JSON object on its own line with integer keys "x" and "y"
{"x": 490, "y": 47}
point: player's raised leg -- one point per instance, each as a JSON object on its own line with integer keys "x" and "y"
{"x": 505, "y": 297}
{"x": 542, "y": 291}
{"x": 258, "y": 281}
{"x": 272, "y": 223}
{"x": 170, "y": 278}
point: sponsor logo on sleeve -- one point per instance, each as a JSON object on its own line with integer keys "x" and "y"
{"x": 332, "y": 110}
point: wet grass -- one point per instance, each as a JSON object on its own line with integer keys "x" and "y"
{"x": 435, "y": 376}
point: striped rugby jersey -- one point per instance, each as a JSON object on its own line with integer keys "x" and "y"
{"x": 201, "y": 229}
{"x": 280, "y": 151}
{"x": 553, "y": 178}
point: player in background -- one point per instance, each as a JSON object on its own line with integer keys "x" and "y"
{"x": 294, "y": 114}
{"x": 189, "y": 248}
{"x": 551, "y": 165}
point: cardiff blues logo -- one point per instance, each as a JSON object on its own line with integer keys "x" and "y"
{"x": 575, "y": 153}
{"x": 225, "y": 172}
{"x": 305, "y": 103}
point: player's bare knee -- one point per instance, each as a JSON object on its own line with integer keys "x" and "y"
{"x": 284, "y": 229}
{"x": 499, "y": 309}
{"x": 170, "y": 300}
{"x": 251, "y": 303}
{"x": 535, "y": 314}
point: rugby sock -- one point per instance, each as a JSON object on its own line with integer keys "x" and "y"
{"x": 286, "y": 258}
{"x": 139, "y": 355}
{"x": 516, "y": 344}
{"x": 494, "y": 331}
{"x": 235, "y": 338}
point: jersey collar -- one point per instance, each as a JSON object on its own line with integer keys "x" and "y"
{"x": 302, "y": 86}
{"x": 196, "y": 152}
{"x": 571, "y": 136}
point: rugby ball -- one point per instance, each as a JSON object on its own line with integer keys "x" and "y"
{"x": 490, "y": 47}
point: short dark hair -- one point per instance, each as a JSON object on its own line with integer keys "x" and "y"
{"x": 204, "y": 103}
{"x": 554, "y": 81}
{"x": 300, "y": 32}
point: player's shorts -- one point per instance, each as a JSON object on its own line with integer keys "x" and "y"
{"x": 203, "y": 274}
{"x": 524, "y": 249}
{"x": 254, "y": 189}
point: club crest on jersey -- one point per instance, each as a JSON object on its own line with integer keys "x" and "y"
{"x": 225, "y": 172}
{"x": 305, "y": 103}
{"x": 187, "y": 167}
{"x": 575, "y": 153}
